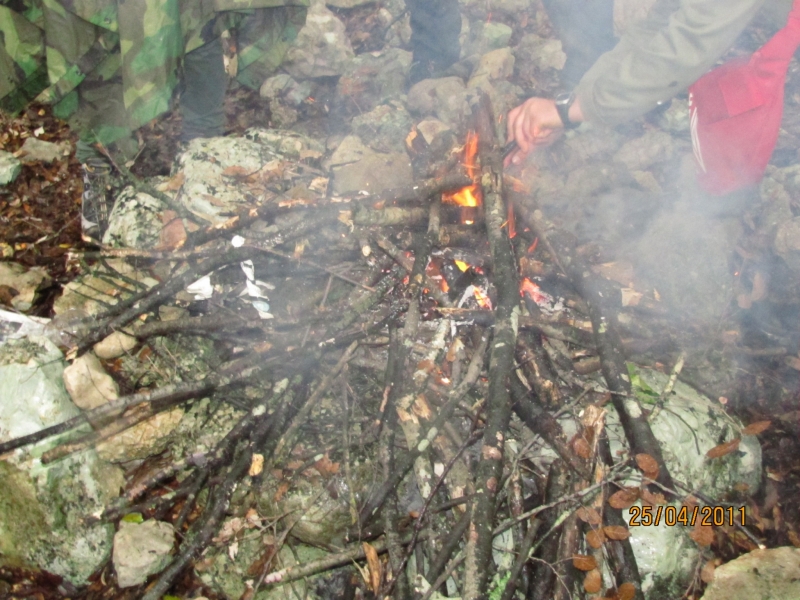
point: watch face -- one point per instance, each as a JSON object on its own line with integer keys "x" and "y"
{"x": 563, "y": 99}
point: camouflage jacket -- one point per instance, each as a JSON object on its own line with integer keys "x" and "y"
{"x": 49, "y": 47}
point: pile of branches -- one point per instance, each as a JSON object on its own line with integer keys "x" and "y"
{"x": 443, "y": 402}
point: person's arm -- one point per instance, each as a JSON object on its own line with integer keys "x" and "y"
{"x": 661, "y": 56}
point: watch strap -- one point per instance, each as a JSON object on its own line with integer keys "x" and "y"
{"x": 563, "y": 104}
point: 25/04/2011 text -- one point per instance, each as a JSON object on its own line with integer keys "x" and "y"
{"x": 647, "y": 516}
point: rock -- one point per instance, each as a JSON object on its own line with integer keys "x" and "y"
{"x": 445, "y": 98}
{"x": 10, "y": 167}
{"x": 347, "y": 3}
{"x": 484, "y": 37}
{"x": 509, "y": 8}
{"x": 36, "y": 150}
{"x": 358, "y": 168}
{"x": 787, "y": 243}
{"x": 385, "y": 128}
{"x": 675, "y": 119}
{"x": 543, "y": 53}
{"x": 689, "y": 426}
{"x": 438, "y": 135}
{"x": 140, "y": 550}
{"x": 88, "y": 384}
{"x": 322, "y": 48}
{"x": 772, "y": 574}
{"x": 92, "y": 292}
{"x": 284, "y": 87}
{"x": 148, "y": 438}
{"x": 115, "y": 345}
{"x": 642, "y": 153}
{"x": 135, "y": 221}
{"x": 493, "y": 66}
{"x": 25, "y": 282}
{"x": 372, "y": 78}
{"x": 211, "y": 192}
{"x": 42, "y": 507}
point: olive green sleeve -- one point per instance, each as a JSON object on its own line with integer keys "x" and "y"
{"x": 661, "y": 56}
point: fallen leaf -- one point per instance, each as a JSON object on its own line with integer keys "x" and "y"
{"x": 757, "y": 427}
{"x": 793, "y": 362}
{"x": 174, "y": 183}
{"x": 707, "y": 572}
{"x": 702, "y": 534}
{"x": 630, "y": 297}
{"x": 592, "y": 582}
{"x": 589, "y": 514}
{"x": 236, "y": 171}
{"x": 326, "y": 467}
{"x": 627, "y": 591}
{"x": 616, "y": 532}
{"x": 581, "y": 447}
{"x": 624, "y": 498}
{"x": 375, "y": 567}
{"x": 173, "y": 233}
{"x": 595, "y": 538}
{"x": 584, "y": 562}
{"x": 648, "y": 465}
{"x": 652, "y": 498}
{"x": 723, "y": 449}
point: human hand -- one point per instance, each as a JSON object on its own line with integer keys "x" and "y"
{"x": 535, "y": 123}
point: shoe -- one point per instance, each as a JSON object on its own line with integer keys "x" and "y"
{"x": 97, "y": 199}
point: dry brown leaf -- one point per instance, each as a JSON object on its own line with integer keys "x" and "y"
{"x": 584, "y": 562}
{"x": 283, "y": 487}
{"x": 595, "y": 538}
{"x": 757, "y": 427}
{"x": 593, "y": 582}
{"x": 707, "y": 572}
{"x": 326, "y": 467}
{"x": 627, "y": 591}
{"x": 375, "y": 566}
{"x": 616, "y": 532}
{"x": 174, "y": 184}
{"x": 589, "y": 514}
{"x": 793, "y": 362}
{"x": 723, "y": 449}
{"x": 702, "y": 534}
{"x": 651, "y": 498}
{"x": 236, "y": 171}
{"x": 648, "y": 465}
{"x": 794, "y": 538}
{"x": 256, "y": 465}
{"x": 624, "y": 498}
{"x": 173, "y": 234}
{"x": 581, "y": 447}
{"x": 620, "y": 271}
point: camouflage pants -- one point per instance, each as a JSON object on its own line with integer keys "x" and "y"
{"x": 109, "y": 67}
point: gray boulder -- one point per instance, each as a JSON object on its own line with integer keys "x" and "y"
{"x": 322, "y": 48}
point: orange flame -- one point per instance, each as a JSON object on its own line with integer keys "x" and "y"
{"x": 532, "y": 290}
{"x": 469, "y": 196}
{"x": 482, "y": 299}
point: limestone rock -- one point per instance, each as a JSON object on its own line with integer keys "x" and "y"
{"x": 92, "y": 292}
{"x": 140, "y": 550}
{"x": 445, "y": 98}
{"x": 484, "y": 37}
{"x": 26, "y": 282}
{"x": 689, "y": 426}
{"x": 322, "y": 48}
{"x": 148, "y": 438}
{"x": 88, "y": 384}
{"x": 347, "y": 3}
{"x": 360, "y": 169}
{"x": 10, "y": 167}
{"x": 493, "y": 66}
{"x": 116, "y": 344}
{"x": 135, "y": 221}
{"x": 642, "y": 153}
{"x": 36, "y": 150}
{"x": 772, "y": 574}
{"x": 385, "y": 128}
{"x": 42, "y": 507}
{"x": 543, "y": 53}
{"x": 372, "y": 78}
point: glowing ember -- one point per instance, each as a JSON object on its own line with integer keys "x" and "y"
{"x": 534, "y": 292}
{"x": 469, "y": 196}
{"x": 482, "y": 299}
{"x": 462, "y": 266}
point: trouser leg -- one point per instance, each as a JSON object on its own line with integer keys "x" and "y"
{"x": 435, "y": 27}
{"x": 586, "y": 30}
{"x": 203, "y": 94}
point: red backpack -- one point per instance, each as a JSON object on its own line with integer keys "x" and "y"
{"x": 736, "y": 112}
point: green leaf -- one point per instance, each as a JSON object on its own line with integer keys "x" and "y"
{"x": 133, "y": 518}
{"x": 640, "y": 388}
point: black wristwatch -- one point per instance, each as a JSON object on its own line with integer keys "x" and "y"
{"x": 563, "y": 103}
